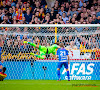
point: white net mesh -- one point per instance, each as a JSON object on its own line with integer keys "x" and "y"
{"x": 83, "y": 44}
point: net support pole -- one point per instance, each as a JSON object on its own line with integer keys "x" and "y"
{"x": 55, "y": 34}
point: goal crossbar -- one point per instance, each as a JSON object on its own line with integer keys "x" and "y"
{"x": 49, "y": 25}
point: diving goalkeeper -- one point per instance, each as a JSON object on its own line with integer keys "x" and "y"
{"x": 44, "y": 50}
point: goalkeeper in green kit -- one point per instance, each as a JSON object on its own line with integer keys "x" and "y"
{"x": 44, "y": 50}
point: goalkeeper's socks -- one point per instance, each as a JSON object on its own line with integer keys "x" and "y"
{"x": 32, "y": 44}
{"x": 32, "y": 53}
{"x": 39, "y": 56}
{"x": 68, "y": 75}
{"x": 58, "y": 73}
{"x": 0, "y": 70}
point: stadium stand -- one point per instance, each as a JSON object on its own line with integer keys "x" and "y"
{"x": 68, "y": 11}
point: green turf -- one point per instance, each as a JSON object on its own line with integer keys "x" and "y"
{"x": 49, "y": 85}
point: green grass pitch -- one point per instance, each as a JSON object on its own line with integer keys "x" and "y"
{"x": 49, "y": 85}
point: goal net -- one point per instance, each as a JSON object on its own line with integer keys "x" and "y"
{"x": 81, "y": 40}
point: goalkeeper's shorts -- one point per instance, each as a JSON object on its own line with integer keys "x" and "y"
{"x": 43, "y": 49}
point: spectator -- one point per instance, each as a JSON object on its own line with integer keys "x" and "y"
{"x": 52, "y": 16}
{"x": 56, "y": 5}
{"x": 62, "y": 11}
{"x": 93, "y": 43}
{"x": 5, "y": 20}
{"x": 73, "y": 20}
{"x": 24, "y": 7}
{"x": 60, "y": 39}
{"x": 67, "y": 7}
{"x": 92, "y": 11}
{"x": 98, "y": 11}
{"x": 84, "y": 44}
{"x": 23, "y": 20}
{"x": 77, "y": 41}
{"x": 97, "y": 54}
{"x": 41, "y": 14}
{"x": 11, "y": 13}
{"x": 81, "y": 3}
{"x": 35, "y": 20}
{"x": 19, "y": 2}
{"x": 47, "y": 19}
{"x": 71, "y": 46}
{"x": 28, "y": 15}
{"x": 74, "y": 10}
{"x": 37, "y": 4}
{"x": 14, "y": 20}
{"x": 19, "y": 14}
{"x": 68, "y": 40}
{"x": 19, "y": 39}
{"x": 64, "y": 18}
{"x": 17, "y": 7}
{"x": 8, "y": 47}
{"x": 95, "y": 21}
{"x": 90, "y": 20}
{"x": 15, "y": 49}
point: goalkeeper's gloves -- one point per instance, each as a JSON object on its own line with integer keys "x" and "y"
{"x": 25, "y": 42}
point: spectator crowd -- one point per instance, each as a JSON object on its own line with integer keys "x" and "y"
{"x": 37, "y": 12}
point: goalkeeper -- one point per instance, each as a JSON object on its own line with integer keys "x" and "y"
{"x": 44, "y": 50}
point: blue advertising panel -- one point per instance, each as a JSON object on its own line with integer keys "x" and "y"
{"x": 79, "y": 70}
{"x": 18, "y": 70}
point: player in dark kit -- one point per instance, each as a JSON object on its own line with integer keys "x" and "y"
{"x": 2, "y": 74}
{"x": 0, "y": 61}
{"x": 63, "y": 57}
{"x": 1, "y": 66}
{"x": 2, "y": 69}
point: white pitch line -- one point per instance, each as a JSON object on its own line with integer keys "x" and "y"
{"x": 37, "y": 83}
{"x": 44, "y": 83}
